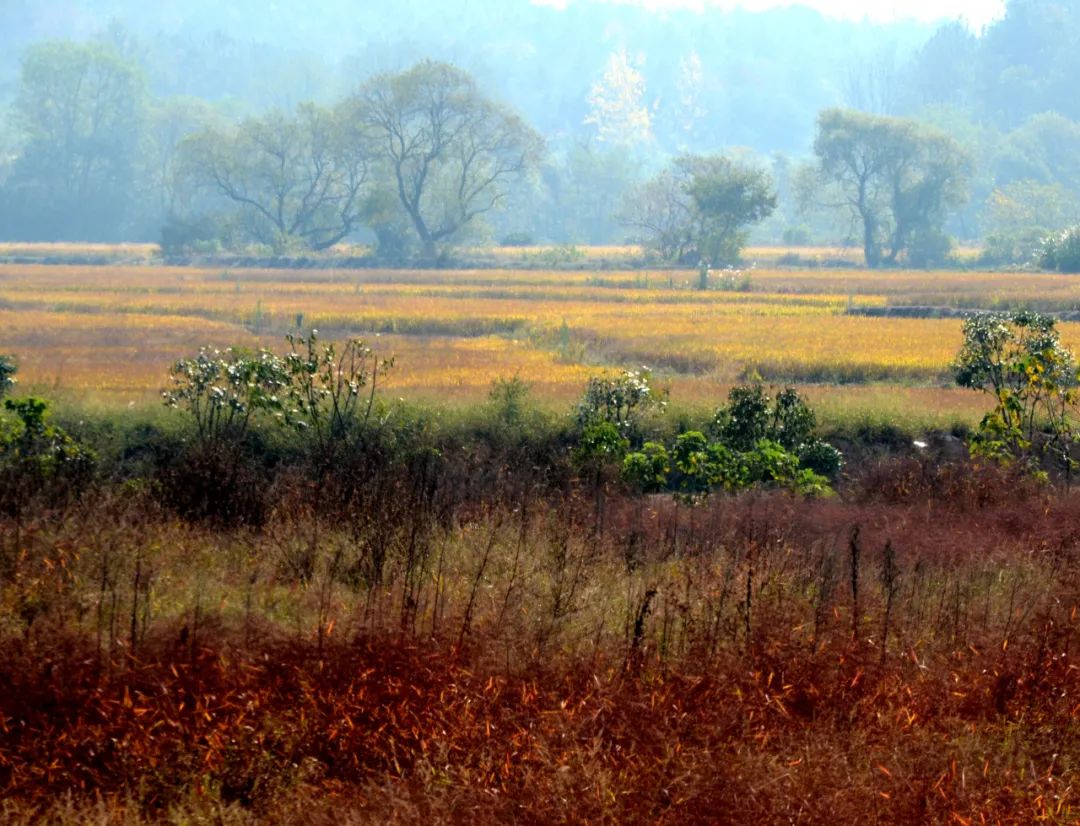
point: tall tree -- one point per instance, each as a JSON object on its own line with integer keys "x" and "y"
{"x": 617, "y": 109}
{"x": 296, "y": 180}
{"x": 80, "y": 112}
{"x": 451, "y": 153}
{"x": 896, "y": 178}
{"x": 697, "y": 209}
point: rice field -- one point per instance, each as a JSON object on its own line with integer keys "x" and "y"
{"x": 111, "y": 332}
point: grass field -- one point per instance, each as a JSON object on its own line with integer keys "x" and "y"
{"x": 447, "y": 618}
{"x": 111, "y": 332}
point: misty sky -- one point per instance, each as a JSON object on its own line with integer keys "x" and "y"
{"x": 976, "y": 12}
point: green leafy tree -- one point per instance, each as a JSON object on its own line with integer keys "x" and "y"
{"x": 697, "y": 210}
{"x": 598, "y": 454}
{"x": 80, "y": 110}
{"x": 752, "y": 417}
{"x": 451, "y": 153}
{"x": 897, "y": 180}
{"x": 1019, "y": 361}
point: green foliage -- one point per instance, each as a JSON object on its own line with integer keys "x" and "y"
{"x": 331, "y": 390}
{"x": 752, "y": 414}
{"x": 7, "y": 374}
{"x": 1017, "y": 246}
{"x": 600, "y": 446}
{"x": 619, "y": 401}
{"x": 646, "y": 470}
{"x": 37, "y": 456}
{"x": 509, "y": 397}
{"x": 185, "y": 236}
{"x": 705, "y": 465}
{"x": 223, "y": 390}
{"x": 769, "y": 461}
{"x": 757, "y": 440}
{"x": 821, "y": 458}
{"x": 1061, "y": 251}
{"x": 1019, "y": 361}
{"x": 897, "y": 178}
{"x": 696, "y": 211}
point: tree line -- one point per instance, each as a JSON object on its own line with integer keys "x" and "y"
{"x": 416, "y": 160}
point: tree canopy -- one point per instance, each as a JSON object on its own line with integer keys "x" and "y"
{"x": 295, "y": 180}
{"x": 451, "y": 152}
{"x": 896, "y": 178}
{"x": 697, "y": 208}
{"x": 80, "y": 109}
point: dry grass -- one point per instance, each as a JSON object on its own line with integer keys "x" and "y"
{"x": 112, "y": 332}
{"x": 523, "y": 673}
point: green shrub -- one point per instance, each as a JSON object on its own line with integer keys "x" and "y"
{"x": 1061, "y": 251}
{"x": 821, "y": 458}
{"x": 619, "y": 401}
{"x": 1013, "y": 248}
{"x": 38, "y": 458}
{"x": 646, "y": 470}
{"x": 517, "y": 239}
{"x": 7, "y": 374}
{"x": 929, "y": 248}
{"x": 1020, "y": 362}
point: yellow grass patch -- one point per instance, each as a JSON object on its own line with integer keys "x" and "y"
{"x": 115, "y": 330}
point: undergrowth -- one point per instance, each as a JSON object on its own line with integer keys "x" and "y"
{"x": 431, "y": 653}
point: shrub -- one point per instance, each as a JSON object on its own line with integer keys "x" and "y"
{"x": 7, "y": 374}
{"x": 1061, "y": 251}
{"x": 223, "y": 390}
{"x": 929, "y": 248}
{"x": 508, "y": 398}
{"x": 1020, "y": 362}
{"x": 331, "y": 391}
{"x": 821, "y": 458}
{"x": 797, "y": 236}
{"x": 518, "y": 239}
{"x": 752, "y": 414}
{"x": 1015, "y": 247}
{"x": 39, "y": 458}
{"x": 181, "y": 237}
{"x": 618, "y": 401}
{"x": 646, "y": 470}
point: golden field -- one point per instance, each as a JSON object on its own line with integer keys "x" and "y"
{"x": 113, "y": 331}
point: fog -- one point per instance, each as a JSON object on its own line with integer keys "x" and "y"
{"x": 616, "y": 92}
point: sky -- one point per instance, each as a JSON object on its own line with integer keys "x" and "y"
{"x": 976, "y": 13}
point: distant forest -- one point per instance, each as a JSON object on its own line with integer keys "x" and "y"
{"x": 615, "y": 90}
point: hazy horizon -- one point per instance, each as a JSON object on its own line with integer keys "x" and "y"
{"x": 977, "y": 14}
